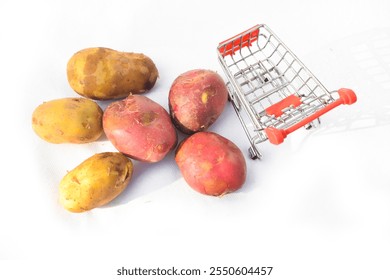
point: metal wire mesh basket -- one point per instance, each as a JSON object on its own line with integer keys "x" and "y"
{"x": 271, "y": 90}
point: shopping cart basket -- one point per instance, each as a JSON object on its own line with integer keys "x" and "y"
{"x": 271, "y": 90}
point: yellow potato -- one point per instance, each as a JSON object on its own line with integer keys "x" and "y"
{"x": 95, "y": 182}
{"x": 68, "y": 120}
{"x": 102, "y": 73}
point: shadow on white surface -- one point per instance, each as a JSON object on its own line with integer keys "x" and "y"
{"x": 148, "y": 178}
{"x": 370, "y": 64}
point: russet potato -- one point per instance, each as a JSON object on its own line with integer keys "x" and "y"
{"x": 68, "y": 120}
{"x": 95, "y": 182}
{"x": 103, "y": 73}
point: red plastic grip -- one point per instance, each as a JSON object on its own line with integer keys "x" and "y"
{"x": 276, "y": 136}
{"x": 347, "y": 96}
{"x": 277, "y": 108}
{"x": 243, "y": 39}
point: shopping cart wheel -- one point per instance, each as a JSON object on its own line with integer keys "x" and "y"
{"x": 232, "y": 98}
{"x": 313, "y": 124}
{"x": 253, "y": 154}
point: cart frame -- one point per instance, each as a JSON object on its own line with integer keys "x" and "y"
{"x": 273, "y": 93}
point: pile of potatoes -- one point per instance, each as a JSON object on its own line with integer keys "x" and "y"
{"x": 138, "y": 127}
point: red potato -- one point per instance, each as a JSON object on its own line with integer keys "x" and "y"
{"x": 140, "y": 128}
{"x": 211, "y": 164}
{"x": 196, "y": 99}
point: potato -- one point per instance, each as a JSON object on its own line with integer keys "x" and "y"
{"x": 140, "y": 128}
{"x": 211, "y": 164}
{"x": 196, "y": 99}
{"x": 102, "y": 73}
{"x": 95, "y": 182}
{"x": 68, "y": 120}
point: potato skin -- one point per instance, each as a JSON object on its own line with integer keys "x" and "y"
{"x": 140, "y": 128}
{"x": 68, "y": 120}
{"x": 196, "y": 99}
{"x": 95, "y": 182}
{"x": 211, "y": 164}
{"x": 103, "y": 73}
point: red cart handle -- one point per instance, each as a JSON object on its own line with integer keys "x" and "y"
{"x": 276, "y": 136}
{"x": 241, "y": 40}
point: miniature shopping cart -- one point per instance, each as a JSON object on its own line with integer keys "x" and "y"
{"x": 271, "y": 90}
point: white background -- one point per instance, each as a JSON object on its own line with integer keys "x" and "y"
{"x": 315, "y": 207}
